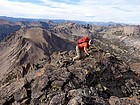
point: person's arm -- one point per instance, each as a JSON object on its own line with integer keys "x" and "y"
{"x": 85, "y": 50}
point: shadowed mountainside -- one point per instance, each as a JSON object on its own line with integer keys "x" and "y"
{"x": 7, "y": 27}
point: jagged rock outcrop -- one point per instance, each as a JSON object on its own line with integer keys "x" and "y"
{"x": 100, "y": 79}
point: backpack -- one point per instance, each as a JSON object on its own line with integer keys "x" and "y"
{"x": 83, "y": 39}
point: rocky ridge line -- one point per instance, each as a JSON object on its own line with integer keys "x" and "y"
{"x": 100, "y": 79}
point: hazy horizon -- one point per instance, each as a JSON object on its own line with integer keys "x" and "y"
{"x": 121, "y": 11}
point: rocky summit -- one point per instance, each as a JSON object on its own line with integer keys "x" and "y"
{"x": 36, "y": 68}
{"x": 99, "y": 79}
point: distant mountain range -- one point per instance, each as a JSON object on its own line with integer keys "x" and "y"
{"x": 12, "y": 19}
{"x": 59, "y": 21}
{"x": 9, "y": 25}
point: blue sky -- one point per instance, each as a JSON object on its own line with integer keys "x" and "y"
{"x": 124, "y": 11}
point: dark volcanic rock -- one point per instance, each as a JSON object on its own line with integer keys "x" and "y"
{"x": 104, "y": 80}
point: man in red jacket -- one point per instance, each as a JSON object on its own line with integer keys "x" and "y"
{"x": 83, "y": 45}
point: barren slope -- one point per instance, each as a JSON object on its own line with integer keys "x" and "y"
{"x": 31, "y": 46}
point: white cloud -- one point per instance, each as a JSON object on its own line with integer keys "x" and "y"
{"x": 47, "y": 10}
{"x": 104, "y": 10}
{"x": 88, "y": 10}
{"x": 20, "y": 9}
{"x": 111, "y": 2}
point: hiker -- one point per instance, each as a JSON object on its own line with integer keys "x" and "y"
{"x": 82, "y": 46}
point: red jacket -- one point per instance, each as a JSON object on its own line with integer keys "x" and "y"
{"x": 82, "y": 45}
